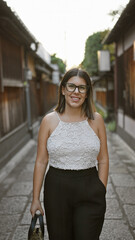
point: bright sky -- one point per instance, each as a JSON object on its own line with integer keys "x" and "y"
{"x": 63, "y": 26}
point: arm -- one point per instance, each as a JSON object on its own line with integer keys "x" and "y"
{"x": 103, "y": 157}
{"x": 40, "y": 166}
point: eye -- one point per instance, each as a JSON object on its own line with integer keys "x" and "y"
{"x": 71, "y": 86}
{"x": 82, "y": 87}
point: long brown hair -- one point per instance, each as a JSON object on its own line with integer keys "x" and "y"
{"x": 88, "y": 105}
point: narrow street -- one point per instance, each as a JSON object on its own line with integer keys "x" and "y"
{"x": 16, "y": 191}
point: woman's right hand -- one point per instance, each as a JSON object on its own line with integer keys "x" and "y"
{"x": 36, "y": 205}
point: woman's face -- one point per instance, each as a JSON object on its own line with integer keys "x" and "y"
{"x": 75, "y": 98}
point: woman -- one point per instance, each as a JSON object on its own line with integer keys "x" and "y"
{"x": 73, "y": 139}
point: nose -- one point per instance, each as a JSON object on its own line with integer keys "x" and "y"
{"x": 76, "y": 90}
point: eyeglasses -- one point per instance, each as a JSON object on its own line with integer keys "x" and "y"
{"x": 71, "y": 87}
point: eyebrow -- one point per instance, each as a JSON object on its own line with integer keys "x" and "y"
{"x": 78, "y": 85}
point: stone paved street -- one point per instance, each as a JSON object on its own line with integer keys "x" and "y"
{"x": 16, "y": 188}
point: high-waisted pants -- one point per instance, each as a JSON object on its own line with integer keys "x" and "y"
{"x": 75, "y": 204}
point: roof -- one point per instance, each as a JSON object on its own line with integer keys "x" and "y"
{"x": 126, "y": 21}
{"x": 11, "y": 24}
{"x": 14, "y": 28}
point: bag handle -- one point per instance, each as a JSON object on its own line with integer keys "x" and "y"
{"x": 33, "y": 224}
{"x": 41, "y": 222}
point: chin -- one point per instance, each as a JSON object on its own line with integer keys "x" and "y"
{"x": 75, "y": 105}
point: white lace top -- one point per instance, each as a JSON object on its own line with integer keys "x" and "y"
{"x": 73, "y": 145}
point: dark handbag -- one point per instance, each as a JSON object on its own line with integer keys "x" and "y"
{"x": 36, "y": 233}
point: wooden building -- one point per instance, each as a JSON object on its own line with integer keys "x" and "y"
{"x": 27, "y": 90}
{"x": 123, "y": 35}
{"x": 103, "y": 93}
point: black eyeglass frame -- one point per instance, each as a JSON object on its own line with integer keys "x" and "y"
{"x": 87, "y": 87}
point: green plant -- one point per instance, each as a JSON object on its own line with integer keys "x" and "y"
{"x": 61, "y": 64}
{"x": 111, "y": 126}
{"x": 100, "y": 111}
{"x": 92, "y": 45}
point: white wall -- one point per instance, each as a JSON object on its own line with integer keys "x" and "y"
{"x": 130, "y": 126}
{"x": 127, "y": 123}
{"x": 120, "y": 118}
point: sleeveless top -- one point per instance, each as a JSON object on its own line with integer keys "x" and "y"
{"x": 73, "y": 146}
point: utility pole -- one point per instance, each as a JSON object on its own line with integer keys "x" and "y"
{"x": 28, "y": 77}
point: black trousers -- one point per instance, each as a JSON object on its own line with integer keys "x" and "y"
{"x": 75, "y": 204}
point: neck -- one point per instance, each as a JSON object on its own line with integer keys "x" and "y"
{"x": 73, "y": 113}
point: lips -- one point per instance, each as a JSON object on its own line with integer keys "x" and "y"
{"x": 75, "y": 99}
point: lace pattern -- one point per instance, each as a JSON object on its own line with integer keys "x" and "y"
{"x": 73, "y": 146}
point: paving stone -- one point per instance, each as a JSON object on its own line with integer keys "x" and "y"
{"x": 111, "y": 151}
{"x": 5, "y": 236}
{"x": 21, "y": 233}
{"x": 130, "y": 212}
{"x": 5, "y": 185}
{"x": 8, "y": 223}
{"x": 122, "y": 154}
{"x": 12, "y": 205}
{"x": 118, "y": 168}
{"x": 25, "y": 176}
{"x": 33, "y": 159}
{"x": 129, "y": 162}
{"x": 131, "y": 169}
{"x": 126, "y": 194}
{"x": 20, "y": 188}
{"x": 115, "y": 230}
{"x": 123, "y": 180}
{"x": 2, "y": 190}
{"x": 133, "y": 174}
{"x": 30, "y": 167}
{"x": 114, "y": 158}
{"x": 9, "y": 180}
{"x": 26, "y": 219}
{"x": 110, "y": 192}
{"x": 113, "y": 210}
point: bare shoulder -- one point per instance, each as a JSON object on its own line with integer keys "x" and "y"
{"x": 98, "y": 116}
{"x": 99, "y": 120}
{"x": 48, "y": 119}
{"x": 49, "y": 123}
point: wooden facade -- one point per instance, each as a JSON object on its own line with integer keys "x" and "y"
{"x": 103, "y": 89}
{"x": 101, "y": 98}
{"x": 123, "y": 34}
{"x": 23, "y": 101}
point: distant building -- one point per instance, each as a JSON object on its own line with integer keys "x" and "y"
{"x": 103, "y": 84}
{"x": 27, "y": 86}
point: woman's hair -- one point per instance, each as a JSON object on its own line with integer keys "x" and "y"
{"x": 88, "y": 105}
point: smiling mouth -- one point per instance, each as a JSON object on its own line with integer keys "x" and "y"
{"x": 75, "y": 99}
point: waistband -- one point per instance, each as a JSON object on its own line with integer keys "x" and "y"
{"x": 72, "y": 173}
